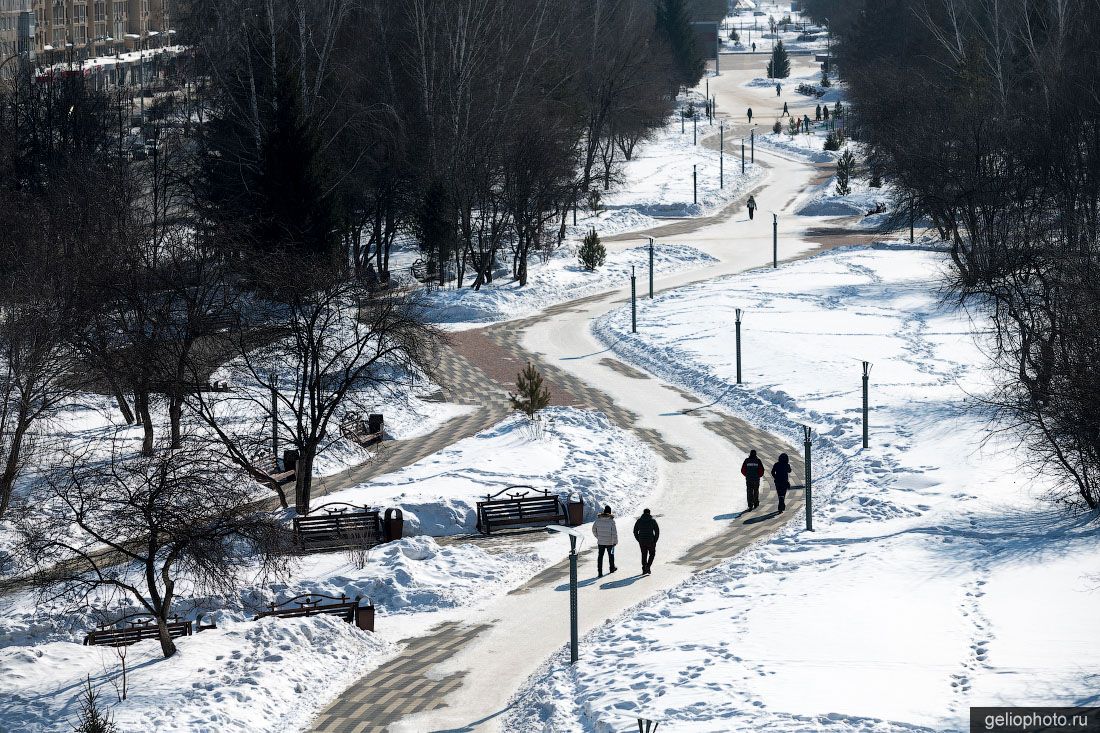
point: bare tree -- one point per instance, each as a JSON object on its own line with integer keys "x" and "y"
{"x": 135, "y": 527}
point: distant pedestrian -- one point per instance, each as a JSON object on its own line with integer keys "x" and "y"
{"x": 647, "y": 533}
{"x": 781, "y": 475}
{"x": 607, "y": 536}
{"x": 754, "y": 46}
{"x": 786, "y": 112}
{"x": 778, "y": 89}
{"x": 751, "y": 203}
{"x": 753, "y": 470}
{"x": 806, "y": 123}
{"x": 750, "y": 115}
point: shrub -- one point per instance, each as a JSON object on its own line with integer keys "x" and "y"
{"x": 845, "y": 167}
{"x": 831, "y": 141}
{"x": 93, "y": 719}
{"x": 777, "y": 127}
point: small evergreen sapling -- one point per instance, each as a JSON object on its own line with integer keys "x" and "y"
{"x": 592, "y": 253}
{"x": 845, "y": 167}
{"x": 832, "y": 142}
{"x": 777, "y": 127}
{"x": 531, "y": 397}
{"x": 93, "y": 719}
{"x": 825, "y": 78}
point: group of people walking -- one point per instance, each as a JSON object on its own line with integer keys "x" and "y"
{"x": 647, "y": 531}
{"x": 753, "y": 470}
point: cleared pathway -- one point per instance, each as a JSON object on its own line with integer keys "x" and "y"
{"x": 460, "y": 677}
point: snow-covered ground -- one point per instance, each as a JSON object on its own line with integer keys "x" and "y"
{"x": 654, "y": 185}
{"x": 275, "y": 675}
{"x": 938, "y": 576}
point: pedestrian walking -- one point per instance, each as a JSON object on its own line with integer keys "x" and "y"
{"x": 647, "y": 533}
{"x": 751, "y": 203}
{"x": 753, "y": 470}
{"x": 750, "y": 115}
{"x": 754, "y": 46}
{"x": 786, "y": 112}
{"x": 778, "y": 89}
{"x": 781, "y": 475}
{"x": 607, "y": 536}
{"x": 806, "y": 123}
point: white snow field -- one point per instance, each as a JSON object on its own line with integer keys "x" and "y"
{"x": 938, "y": 576}
{"x": 275, "y": 675}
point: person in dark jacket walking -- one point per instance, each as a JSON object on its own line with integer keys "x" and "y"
{"x": 752, "y": 469}
{"x": 607, "y": 536}
{"x": 781, "y": 475}
{"x": 778, "y": 89}
{"x": 750, "y": 115}
{"x": 751, "y": 203}
{"x": 786, "y": 112}
{"x": 647, "y": 533}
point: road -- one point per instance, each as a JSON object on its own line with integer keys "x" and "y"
{"x": 460, "y": 677}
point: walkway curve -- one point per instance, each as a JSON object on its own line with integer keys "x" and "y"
{"x": 698, "y": 500}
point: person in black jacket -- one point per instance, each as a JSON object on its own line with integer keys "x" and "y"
{"x": 752, "y": 469}
{"x": 781, "y": 475}
{"x": 647, "y": 533}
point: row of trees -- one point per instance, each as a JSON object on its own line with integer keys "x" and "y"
{"x": 1004, "y": 159}
{"x": 243, "y": 228}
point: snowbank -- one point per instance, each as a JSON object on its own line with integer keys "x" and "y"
{"x": 937, "y": 579}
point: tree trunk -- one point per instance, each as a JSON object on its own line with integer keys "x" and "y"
{"x": 167, "y": 644}
{"x": 142, "y": 403}
{"x": 120, "y": 398}
{"x": 175, "y": 415}
{"x": 303, "y": 478}
{"x": 11, "y": 465}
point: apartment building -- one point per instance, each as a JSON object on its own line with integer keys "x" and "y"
{"x": 55, "y": 30}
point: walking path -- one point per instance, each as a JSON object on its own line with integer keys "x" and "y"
{"x": 460, "y": 676}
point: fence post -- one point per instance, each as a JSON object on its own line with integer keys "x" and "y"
{"x": 738, "y": 346}
{"x": 806, "y": 431}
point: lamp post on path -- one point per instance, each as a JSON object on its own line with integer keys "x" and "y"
{"x": 651, "y": 268}
{"x": 742, "y": 156}
{"x": 633, "y": 302}
{"x": 866, "y": 405}
{"x": 694, "y": 184}
{"x": 752, "y": 145}
{"x": 573, "y": 635}
{"x": 738, "y": 341}
{"x": 775, "y": 241}
{"x": 722, "y": 155}
{"x": 806, "y": 433}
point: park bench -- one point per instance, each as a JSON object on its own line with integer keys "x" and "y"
{"x": 520, "y": 505}
{"x": 419, "y": 270}
{"x": 134, "y": 628}
{"x": 365, "y": 433}
{"x": 313, "y": 604}
{"x": 338, "y": 526}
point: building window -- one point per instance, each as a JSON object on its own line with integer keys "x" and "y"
{"x": 101, "y": 12}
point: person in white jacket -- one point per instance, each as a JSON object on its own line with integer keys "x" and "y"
{"x": 606, "y": 538}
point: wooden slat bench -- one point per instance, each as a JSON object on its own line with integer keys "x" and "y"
{"x": 365, "y": 433}
{"x": 338, "y": 526}
{"x": 520, "y": 506}
{"x": 135, "y": 628}
{"x": 314, "y": 604}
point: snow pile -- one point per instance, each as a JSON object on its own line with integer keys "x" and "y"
{"x": 270, "y": 675}
{"x": 868, "y": 204}
{"x": 937, "y": 579}
{"x": 580, "y": 453}
{"x": 561, "y": 279}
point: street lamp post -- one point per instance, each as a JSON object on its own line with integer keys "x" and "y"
{"x": 694, "y": 184}
{"x": 866, "y": 405}
{"x": 775, "y": 241}
{"x": 633, "y": 302}
{"x": 722, "y": 155}
{"x": 737, "y": 338}
{"x": 806, "y": 435}
{"x": 651, "y": 268}
{"x": 573, "y": 634}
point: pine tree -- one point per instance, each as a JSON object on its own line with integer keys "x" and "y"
{"x": 780, "y": 65}
{"x": 591, "y": 254}
{"x": 831, "y": 141}
{"x": 837, "y": 110}
{"x": 531, "y": 396}
{"x": 777, "y": 127}
{"x": 825, "y": 78}
{"x": 845, "y": 167}
{"x": 92, "y": 719}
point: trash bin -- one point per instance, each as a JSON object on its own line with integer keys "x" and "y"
{"x": 574, "y": 510}
{"x": 393, "y": 525}
{"x": 374, "y": 423}
{"x": 364, "y": 616}
{"x": 290, "y": 460}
